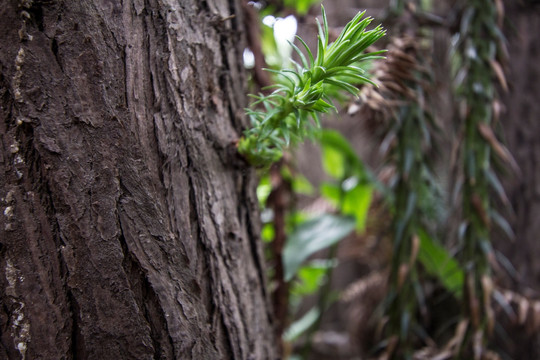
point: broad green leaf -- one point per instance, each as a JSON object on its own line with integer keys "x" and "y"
{"x": 294, "y": 219}
{"x": 439, "y": 263}
{"x": 311, "y": 236}
{"x": 263, "y": 190}
{"x": 301, "y": 185}
{"x": 267, "y": 233}
{"x": 300, "y": 326}
{"x": 331, "y": 192}
{"x": 333, "y": 162}
{"x": 356, "y": 203}
{"x": 333, "y": 139}
{"x": 310, "y": 277}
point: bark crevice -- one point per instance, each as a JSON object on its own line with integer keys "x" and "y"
{"x": 77, "y": 348}
{"x": 147, "y": 301}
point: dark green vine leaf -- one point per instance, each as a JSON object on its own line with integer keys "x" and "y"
{"x": 439, "y": 263}
{"x": 302, "y": 325}
{"x": 312, "y": 236}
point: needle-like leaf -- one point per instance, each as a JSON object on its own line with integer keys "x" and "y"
{"x": 304, "y": 92}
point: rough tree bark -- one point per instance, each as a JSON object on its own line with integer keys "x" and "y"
{"x": 126, "y": 230}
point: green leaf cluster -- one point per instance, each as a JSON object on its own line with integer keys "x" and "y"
{"x": 290, "y": 113}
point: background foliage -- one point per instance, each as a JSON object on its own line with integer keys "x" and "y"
{"x": 420, "y": 218}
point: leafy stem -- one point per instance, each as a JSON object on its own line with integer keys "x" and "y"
{"x": 290, "y": 113}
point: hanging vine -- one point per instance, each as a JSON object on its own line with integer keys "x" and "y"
{"x": 479, "y": 49}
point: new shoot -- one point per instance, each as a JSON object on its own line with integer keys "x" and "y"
{"x": 290, "y": 113}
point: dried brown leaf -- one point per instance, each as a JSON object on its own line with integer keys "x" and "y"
{"x": 478, "y": 344}
{"x": 403, "y": 272}
{"x": 497, "y": 109}
{"x": 432, "y": 353}
{"x": 359, "y": 288}
{"x": 523, "y": 309}
{"x": 487, "y": 289}
{"x": 415, "y": 246}
{"x": 480, "y": 209}
{"x": 403, "y": 57}
{"x": 499, "y": 72}
{"x": 500, "y": 12}
{"x": 473, "y": 303}
{"x": 456, "y": 341}
{"x": 488, "y": 134}
{"x": 491, "y": 355}
{"x": 386, "y": 174}
{"x": 536, "y": 317}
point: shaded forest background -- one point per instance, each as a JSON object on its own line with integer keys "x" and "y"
{"x": 353, "y": 302}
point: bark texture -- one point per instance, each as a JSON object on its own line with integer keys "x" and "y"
{"x": 126, "y": 231}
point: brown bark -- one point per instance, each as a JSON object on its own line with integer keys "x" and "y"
{"x": 126, "y": 230}
{"x": 279, "y": 200}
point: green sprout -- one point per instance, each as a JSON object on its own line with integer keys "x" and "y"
{"x": 291, "y": 112}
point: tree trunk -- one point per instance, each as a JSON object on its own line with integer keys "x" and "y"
{"x": 127, "y": 230}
